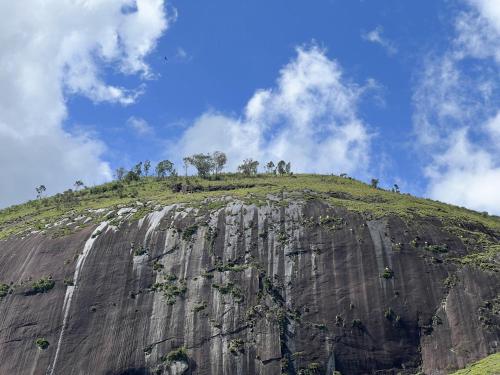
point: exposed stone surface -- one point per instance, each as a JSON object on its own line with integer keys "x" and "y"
{"x": 302, "y": 287}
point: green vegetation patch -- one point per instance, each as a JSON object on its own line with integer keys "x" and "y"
{"x": 171, "y": 288}
{"x": 236, "y": 346}
{"x": 486, "y": 366}
{"x": 176, "y": 355}
{"x": 331, "y": 222}
{"x": 387, "y": 274}
{"x": 4, "y": 290}
{"x": 451, "y": 281}
{"x": 189, "y": 232}
{"x": 42, "y": 286}
{"x": 230, "y": 288}
{"x": 436, "y": 248}
{"x": 141, "y": 250}
{"x": 157, "y": 266}
{"x": 42, "y": 343}
{"x": 230, "y": 266}
{"x": 486, "y": 260}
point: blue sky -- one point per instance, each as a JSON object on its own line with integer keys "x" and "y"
{"x": 403, "y": 91}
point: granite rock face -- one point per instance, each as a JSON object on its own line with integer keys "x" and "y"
{"x": 301, "y": 288}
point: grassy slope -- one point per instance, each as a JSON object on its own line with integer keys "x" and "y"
{"x": 487, "y": 366}
{"x": 348, "y": 193}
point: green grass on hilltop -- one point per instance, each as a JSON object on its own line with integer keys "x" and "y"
{"x": 487, "y": 366}
{"x": 349, "y": 193}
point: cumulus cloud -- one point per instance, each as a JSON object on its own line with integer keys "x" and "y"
{"x": 466, "y": 174}
{"x": 375, "y": 36}
{"x": 140, "y": 126}
{"x": 52, "y": 49}
{"x": 457, "y": 118}
{"x": 309, "y": 118}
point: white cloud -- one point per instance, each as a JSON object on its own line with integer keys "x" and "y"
{"x": 310, "y": 118}
{"x": 490, "y": 10}
{"x": 52, "y": 49}
{"x": 442, "y": 100}
{"x": 478, "y": 35}
{"x": 375, "y": 36}
{"x": 466, "y": 175}
{"x": 457, "y": 115}
{"x": 492, "y": 126}
{"x": 140, "y": 125}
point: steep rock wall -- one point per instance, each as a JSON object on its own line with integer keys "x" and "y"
{"x": 295, "y": 287}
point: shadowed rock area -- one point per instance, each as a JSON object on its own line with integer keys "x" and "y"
{"x": 297, "y": 288}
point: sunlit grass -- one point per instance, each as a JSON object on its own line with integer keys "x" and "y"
{"x": 487, "y": 366}
{"x": 351, "y": 194}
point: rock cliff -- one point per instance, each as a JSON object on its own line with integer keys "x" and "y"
{"x": 290, "y": 284}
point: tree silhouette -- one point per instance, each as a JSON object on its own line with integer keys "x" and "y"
{"x": 164, "y": 168}
{"x": 40, "y": 190}
{"x": 270, "y": 167}
{"x": 249, "y": 167}
{"x": 147, "y": 166}
{"x": 219, "y": 159}
{"x": 281, "y": 167}
{"x": 78, "y": 184}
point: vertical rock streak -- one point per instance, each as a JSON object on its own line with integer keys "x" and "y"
{"x": 154, "y": 219}
{"x": 71, "y": 290}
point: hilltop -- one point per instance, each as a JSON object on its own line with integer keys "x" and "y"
{"x": 91, "y": 205}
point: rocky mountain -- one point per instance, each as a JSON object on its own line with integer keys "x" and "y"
{"x": 263, "y": 275}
